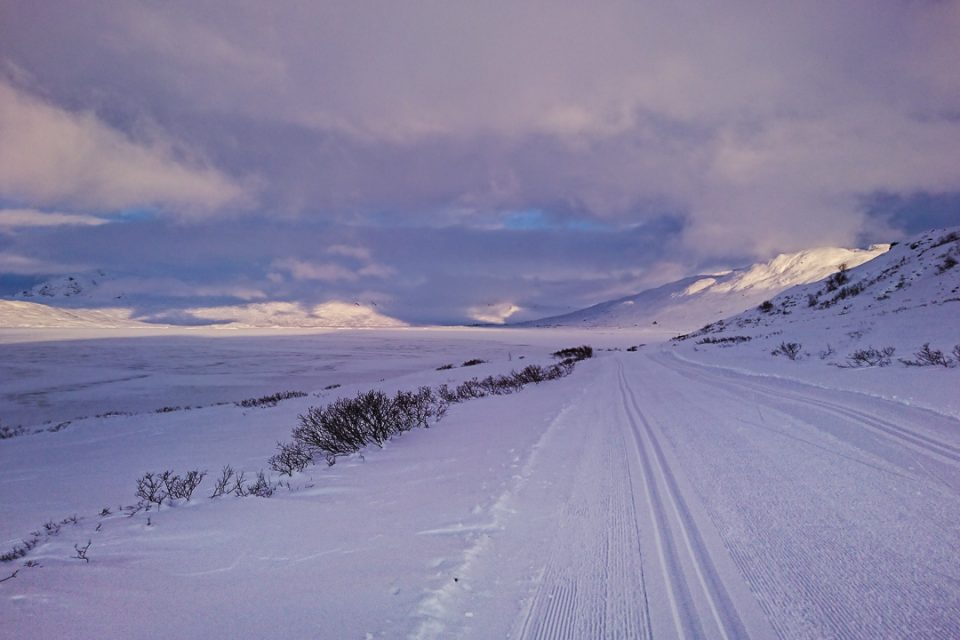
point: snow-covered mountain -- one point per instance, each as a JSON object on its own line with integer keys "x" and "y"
{"x": 691, "y": 302}
{"x": 75, "y": 288}
{"x": 97, "y": 299}
{"x": 294, "y": 315}
{"x": 20, "y": 314}
{"x": 878, "y": 314}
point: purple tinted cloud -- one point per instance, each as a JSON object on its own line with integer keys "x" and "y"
{"x": 764, "y": 128}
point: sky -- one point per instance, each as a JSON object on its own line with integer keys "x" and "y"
{"x": 458, "y": 162}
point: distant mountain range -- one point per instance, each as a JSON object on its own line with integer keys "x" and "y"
{"x": 99, "y": 300}
{"x": 692, "y": 302}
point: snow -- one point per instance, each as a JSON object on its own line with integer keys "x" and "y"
{"x": 18, "y": 314}
{"x": 691, "y": 302}
{"x": 291, "y": 314}
{"x": 678, "y": 490}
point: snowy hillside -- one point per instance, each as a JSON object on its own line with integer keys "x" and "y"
{"x": 20, "y": 314}
{"x": 294, "y": 315}
{"x": 877, "y": 315}
{"x": 75, "y": 288}
{"x": 691, "y": 302}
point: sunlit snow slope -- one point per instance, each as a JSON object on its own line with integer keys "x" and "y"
{"x": 691, "y": 302}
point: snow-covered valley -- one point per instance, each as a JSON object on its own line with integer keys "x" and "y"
{"x": 665, "y": 488}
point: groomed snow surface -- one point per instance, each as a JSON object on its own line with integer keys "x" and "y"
{"x": 652, "y": 493}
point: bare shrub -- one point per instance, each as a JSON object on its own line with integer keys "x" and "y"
{"x": 871, "y": 357}
{"x": 725, "y": 340}
{"x": 262, "y": 487}
{"x": 826, "y": 353}
{"x": 271, "y": 400}
{"x": 788, "y": 349}
{"x": 223, "y": 483}
{"x": 82, "y": 551}
{"x": 473, "y": 362}
{"x": 445, "y": 367}
{"x": 838, "y": 279}
{"x": 929, "y": 357}
{"x": 575, "y": 353}
{"x": 949, "y": 262}
{"x": 953, "y": 236}
{"x": 239, "y": 489}
{"x": 182, "y": 488}
{"x": 11, "y": 432}
{"x": 765, "y": 307}
{"x": 418, "y": 408}
{"x": 20, "y": 550}
{"x": 151, "y": 488}
{"x": 291, "y": 457}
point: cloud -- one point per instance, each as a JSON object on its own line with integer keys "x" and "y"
{"x": 22, "y": 218}
{"x": 51, "y": 156}
{"x": 399, "y": 147}
{"x": 16, "y": 263}
{"x": 325, "y": 272}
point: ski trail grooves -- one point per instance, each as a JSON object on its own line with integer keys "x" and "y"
{"x": 593, "y": 584}
{"x": 676, "y": 532}
{"x": 893, "y": 432}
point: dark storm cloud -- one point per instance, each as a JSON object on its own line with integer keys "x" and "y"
{"x": 538, "y": 139}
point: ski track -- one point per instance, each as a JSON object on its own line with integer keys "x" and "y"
{"x": 679, "y": 540}
{"x": 593, "y": 586}
{"x": 809, "y": 579}
{"x": 898, "y": 434}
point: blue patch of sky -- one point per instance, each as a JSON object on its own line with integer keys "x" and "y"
{"x": 134, "y": 214}
{"x": 537, "y": 219}
{"x": 915, "y": 212}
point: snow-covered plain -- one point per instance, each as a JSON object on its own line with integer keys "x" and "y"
{"x": 678, "y": 490}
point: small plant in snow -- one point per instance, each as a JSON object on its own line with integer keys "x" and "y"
{"x": 271, "y": 400}
{"x": 82, "y": 551}
{"x": 788, "y": 349}
{"x": 473, "y": 362}
{"x": 826, "y": 353}
{"x": 574, "y": 353}
{"x": 766, "y": 306}
{"x": 10, "y": 432}
{"x": 929, "y": 357}
{"x": 838, "y": 279}
{"x": 871, "y": 357}
{"x": 20, "y": 550}
{"x": 949, "y": 262}
{"x": 182, "y": 488}
{"x": 262, "y": 487}
{"x": 290, "y": 458}
{"x": 151, "y": 488}
{"x": 238, "y": 489}
{"x": 223, "y": 483}
{"x": 445, "y": 367}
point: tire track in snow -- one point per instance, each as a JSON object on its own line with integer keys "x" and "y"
{"x": 593, "y": 585}
{"x": 678, "y": 538}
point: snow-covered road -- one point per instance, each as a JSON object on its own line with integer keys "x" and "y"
{"x": 702, "y": 503}
{"x": 644, "y": 496}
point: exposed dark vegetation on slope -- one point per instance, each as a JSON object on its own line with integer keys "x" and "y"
{"x": 271, "y": 400}
{"x": 347, "y": 425}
